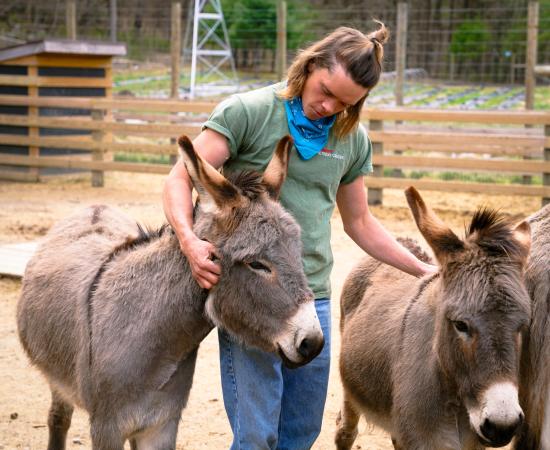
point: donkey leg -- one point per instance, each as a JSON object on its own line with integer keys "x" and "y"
{"x": 59, "y": 421}
{"x": 159, "y": 438}
{"x": 346, "y": 425}
{"x": 105, "y": 434}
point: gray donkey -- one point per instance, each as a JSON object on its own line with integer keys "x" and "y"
{"x": 535, "y": 365}
{"x": 435, "y": 361}
{"x": 113, "y": 318}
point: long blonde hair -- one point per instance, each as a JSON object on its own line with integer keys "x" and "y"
{"x": 361, "y": 57}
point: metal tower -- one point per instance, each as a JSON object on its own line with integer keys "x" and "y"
{"x": 211, "y": 46}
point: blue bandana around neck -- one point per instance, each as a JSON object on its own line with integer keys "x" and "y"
{"x": 310, "y": 136}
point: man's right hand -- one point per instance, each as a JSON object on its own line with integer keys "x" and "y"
{"x": 200, "y": 255}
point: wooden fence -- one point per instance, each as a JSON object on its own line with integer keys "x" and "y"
{"x": 403, "y": 139}
{"x": 497, "y": 142}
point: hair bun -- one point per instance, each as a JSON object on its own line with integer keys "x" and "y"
{"x": 381, "y": 35}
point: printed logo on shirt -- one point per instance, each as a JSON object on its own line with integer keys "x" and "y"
{"x": 327, "y": 152}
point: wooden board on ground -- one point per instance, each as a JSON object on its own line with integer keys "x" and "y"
{"x": 14, "y": 258}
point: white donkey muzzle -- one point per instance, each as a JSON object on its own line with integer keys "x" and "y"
{"x": 498, "y": 416}
{"x": 303, "y": 339}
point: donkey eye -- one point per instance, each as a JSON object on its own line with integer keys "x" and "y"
{"x": 257, "y": 265}
{"x": 461, "y": 327}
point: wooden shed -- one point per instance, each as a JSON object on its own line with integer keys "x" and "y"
{"x": 50, "y": 68}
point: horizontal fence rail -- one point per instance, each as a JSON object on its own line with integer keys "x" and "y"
{"x": 433, "y": 141}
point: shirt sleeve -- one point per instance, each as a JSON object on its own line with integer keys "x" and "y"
{"x": 229, "y": 118}
{"x": 363, "y": 162}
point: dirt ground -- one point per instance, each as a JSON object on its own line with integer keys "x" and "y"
{"x": 28, "y": 210}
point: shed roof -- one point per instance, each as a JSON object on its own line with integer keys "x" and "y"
{"x": 66, "y": 46}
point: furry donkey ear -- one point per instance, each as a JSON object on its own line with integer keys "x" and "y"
{"x": 215, "y": 191}
{"x": 275, "y": 173}
{"x": 439, "y": 236}
{"x": 522, "y": 234}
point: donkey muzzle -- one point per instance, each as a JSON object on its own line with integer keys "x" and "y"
{"x": 303, "y": 340}
{"x": 500, "y": 417}
{"x": 499, "y": 435}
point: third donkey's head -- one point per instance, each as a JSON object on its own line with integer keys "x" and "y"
{"x": 482, "y": 312}
{"x": 262, "y": 297}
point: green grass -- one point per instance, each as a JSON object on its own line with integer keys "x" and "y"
{"x": 142, "y": 158}
{"x": 470, "y": 96}
{"x": 542, "y": 97}
{"x": 142, "y": 86}
{"x": 471, "y": 177}
{"x": 498, "y": 99}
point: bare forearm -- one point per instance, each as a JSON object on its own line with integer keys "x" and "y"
{"x": 374, "y": 239}
{"x": 178, "y": 206}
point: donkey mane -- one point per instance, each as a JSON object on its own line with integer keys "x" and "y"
{"x": 415, "y": 249}
{"x": 494, "y": 233}
{"x": 145, "y": 235}
{"x": 249, "y": 182}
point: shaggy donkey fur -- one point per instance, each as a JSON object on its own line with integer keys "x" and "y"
{"x": 535, "y": 364}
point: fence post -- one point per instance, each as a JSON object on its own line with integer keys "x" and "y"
{"x": 113, "y": 19}
{"x": 546, "y": 175}
{"x": 71, "y": 19}
{"x": 452, "y": 67}
{"x": 375, "y": 194}
{"x": 400, "y": 64}
{"x": 97, "y": 154}
{"x": 530, "y": 62}
{"x": 531, "y": 56}
{"x": 34, "y": 172}
{"x": 281, "y": 39}
{"x": 175, "y": 45}
{"x": 400, "y": 52}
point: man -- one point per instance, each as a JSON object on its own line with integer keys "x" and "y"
{"x": 268, "y": 405}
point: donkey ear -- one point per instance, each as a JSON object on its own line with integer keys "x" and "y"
{"x": 275, "y": 173}
{"x": 214, "y": 190}
{"x": 439, "y": 236}
{"x": 522, "y": 234}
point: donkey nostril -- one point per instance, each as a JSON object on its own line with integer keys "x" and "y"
{"x": 310, "y": 347}
{"x": 305, "y": 348}
{"x": 500, "y": 435}
{"x": 489, "y": 430}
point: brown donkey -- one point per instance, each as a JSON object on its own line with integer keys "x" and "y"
{"x": 435, "y": 361}
{"x": 113, "y": 318}
{"x": 535, "y": 365}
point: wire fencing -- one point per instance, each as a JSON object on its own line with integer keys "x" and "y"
{"x": 485, "y": 45}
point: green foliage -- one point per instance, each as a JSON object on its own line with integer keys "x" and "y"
{"x": 253, "y": 23}
{"x": 470, "y": 40}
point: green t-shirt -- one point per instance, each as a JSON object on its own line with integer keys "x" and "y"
{"x": 253, "y": 123}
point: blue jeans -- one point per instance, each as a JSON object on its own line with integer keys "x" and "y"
{"x": 268, "y": 405}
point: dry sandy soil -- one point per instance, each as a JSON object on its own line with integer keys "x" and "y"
{"x": 28, "y": 210}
